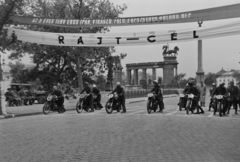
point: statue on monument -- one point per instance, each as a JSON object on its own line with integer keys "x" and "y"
{"x": 167, "y": 52}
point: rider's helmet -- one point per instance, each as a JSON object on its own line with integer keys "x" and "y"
{"x": 190, "y": 84}
{"x": 222, "y": 85}
{"x": 155, "y": 82}
{"x": 54, "y": 87}
{"x": 118, "y": 84}
{"x": 94, "y": 85}
{"x": 214, "y": 84}
{"x": 86, "y": 84}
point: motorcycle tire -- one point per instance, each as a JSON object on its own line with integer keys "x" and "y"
{"x": 220, "y": 109}
{"x": 149, "y": 108}
{"x": 79, "y": 108}
{"x": 60, "y": 110}
{"x": 109, "y": 108}
{"x": 188, "y": 107}
{"x": 119, "y": 109}
{"x": 180, "y": 106}
{"x": 46, "y": 109}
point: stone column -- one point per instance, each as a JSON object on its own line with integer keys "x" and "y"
{"x": 153, "y": 74}
{"x": 176, "y": 73}
{"x": 200, "y": 72}
{"x": 144, "y": 72}
{"x": 129, "y": 76}
{"x": 135, "y": 76}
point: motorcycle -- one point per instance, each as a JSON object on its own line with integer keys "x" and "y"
{"x": 182, "y": 101}
{"x": 152, "y": 104}
{"x": 50, "y": 105}
{"x": 113, "y": 103}
{"x": 220, "y": 104}
{"x": 190, "y": 106}
{"x": 83, "y": 104}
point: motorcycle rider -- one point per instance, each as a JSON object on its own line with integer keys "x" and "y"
{"x": 96, "y": 92}
{"x": 211, "y": 94}
{"x": 220, "y": 90}
{"x": 121, "y": 93}
{"x": 233, "y": 96}
{"x": 88, "y": 90}
{"x": 193, "y": 90}
{"x": 60, "y": 98}
{"x": 157, "y": 90}
{"x": 184, "y": 92}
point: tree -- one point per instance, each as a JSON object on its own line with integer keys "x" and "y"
{"x": 210, "y": 78}
{"x": 236, "y": 75}
{"x": 178, "y": 81}
{"x": 101, "y": 82}
{"x": 63, "y": 64}
{"x": 16, "y": 71}
{"x": 8, "y": 8}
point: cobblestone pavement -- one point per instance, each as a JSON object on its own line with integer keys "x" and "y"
{"x": 136, "y": 136}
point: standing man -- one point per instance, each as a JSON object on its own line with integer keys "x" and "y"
{"x": 211, "y": 95}
{"x": 202, "y": 89}
{"x": 233, "y": 96}
{"x": 121, "y": 93}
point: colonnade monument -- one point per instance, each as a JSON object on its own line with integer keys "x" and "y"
{"x": 169, "y": 66}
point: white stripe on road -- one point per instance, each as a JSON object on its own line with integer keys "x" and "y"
{"x": 171, "y": 113}
{"x": 211, "y": 115}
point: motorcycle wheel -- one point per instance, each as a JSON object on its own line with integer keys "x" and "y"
{"x": 180, "y": 105}
{"x": 46, "y": 109}
{"x": 188, "y": 107}
{"x": 60, "y": 110}
{"x": 220, "y": 109}
{"x": 109, "y": 108}
{"x": 79, "y": 108}
{"x": 149, "y": 108}
{"x": 119, "y": 108}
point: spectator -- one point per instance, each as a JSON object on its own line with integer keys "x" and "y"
{"x": 16, "y": 96}
{"x": 9, "y": 97}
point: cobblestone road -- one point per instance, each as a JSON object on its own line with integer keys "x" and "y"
{"x": 135, "y": 136}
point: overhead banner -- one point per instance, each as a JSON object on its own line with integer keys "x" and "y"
{"x": 124, "y": 39}
{"x": 224, "y": 12}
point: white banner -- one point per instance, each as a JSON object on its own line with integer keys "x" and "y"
{"x": 125, "y": 39}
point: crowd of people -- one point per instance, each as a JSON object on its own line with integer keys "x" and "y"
{"x": 23, "y": 96}
{"x": 231, "y": 95}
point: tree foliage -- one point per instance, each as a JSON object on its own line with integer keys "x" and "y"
{"x": 58, "y": 63}
{"x": 210, "y": 78}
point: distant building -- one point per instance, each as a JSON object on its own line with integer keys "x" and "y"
{"x": 225, "y": 77}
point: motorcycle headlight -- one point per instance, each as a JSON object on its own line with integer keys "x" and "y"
{"x": 219, "y": 97}
{"x": 191, "y": 96}
{"x": 150, "y": 95}
{"x": 181, "y": 95}
{"x": 110, "y": 96}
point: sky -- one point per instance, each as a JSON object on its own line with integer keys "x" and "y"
{"x": 218, "y": 53}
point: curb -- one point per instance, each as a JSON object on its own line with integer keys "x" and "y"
{"x": 71, "y": 109}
